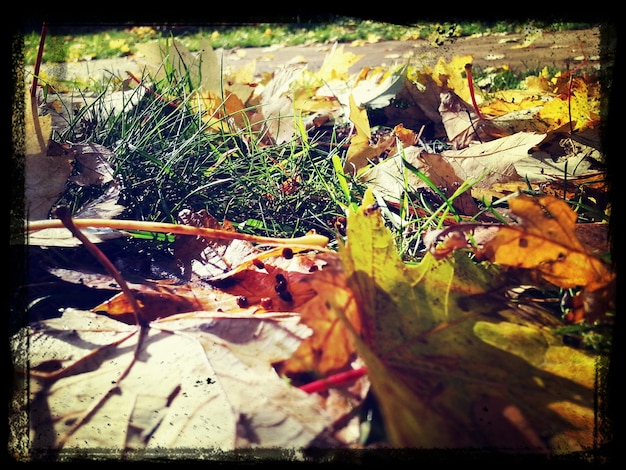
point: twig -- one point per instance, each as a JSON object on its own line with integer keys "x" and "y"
{"x": 63, "y": 213}
{"x": 42, "y": 40}
{"x": 311, "y": 240}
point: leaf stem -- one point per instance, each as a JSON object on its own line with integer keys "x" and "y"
{"x": 311, "y": 240}
{"x": 334, "y": 380}
{"x": 470, "y": 84}
{"x": 42, "y": 40}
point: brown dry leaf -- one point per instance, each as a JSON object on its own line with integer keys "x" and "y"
{"x": 389, "y": 180}
{"x": 45, "y": 176}
{"x": 202, "y": 258}
{"x": 545, "y": 240}
{"x": 495, "y": 161}
{"x": 463, "y": 126}
{"x": 198, "y": 381}
{"x": 276, "y": 281}
{"x": 277, "y": 113}
{"x": 95, "y": 164}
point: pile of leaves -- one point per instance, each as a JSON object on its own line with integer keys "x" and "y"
{"x": 262, "y": 343}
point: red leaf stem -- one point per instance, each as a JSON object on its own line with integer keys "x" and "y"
{"x": 470, "y": 84}
{"x": 341, "y": 378}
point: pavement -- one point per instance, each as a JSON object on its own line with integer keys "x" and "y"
{"x": 560, "y": 49}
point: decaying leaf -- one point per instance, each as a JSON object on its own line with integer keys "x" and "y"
{"x": 201, "y": 381}
{"x": 391, "y": 177}
{"x": 494, "y": 161}
{"x": 45, "y": 175}
{"x": 463, "y": 126}
{"x": 441, "y": 379}
{"x": 546, "y": 240}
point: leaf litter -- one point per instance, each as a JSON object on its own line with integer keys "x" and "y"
{"x": 223, "y": 345}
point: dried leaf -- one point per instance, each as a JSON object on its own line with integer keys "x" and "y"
{"x": 337, "y": 63}
{"x": 545, "y": 240}
{"x": 441, "y": 379}
{"x": 189, "y": 382}
{"x": 495, "y": 161}
{"x": 391, "y": 177}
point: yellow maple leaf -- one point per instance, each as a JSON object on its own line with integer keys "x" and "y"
{"x": 452, "y": 75}
{"x": 450, "y": 370}
{"x": 580, "y": 108}
{"x": 546, "y": 241}
{"x": 360, "y": 150}
{"x": 337, "y": 63}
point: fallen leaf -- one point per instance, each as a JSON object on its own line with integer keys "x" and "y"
{"x": 391, "y": 178}
{"x": 545, "y": 240}
{"x": 495, "y": 161}
{"x": 360, "y": 152}
{"x": 441, "y": 379}
{"x": 337, "y": 63}
{"x": 45, "y": 176}
{"x": 463, "y": 126}
{"x": 198, "y": 381}
{"x": 580, "y": 107}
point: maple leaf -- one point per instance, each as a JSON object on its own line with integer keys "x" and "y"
{"x": 360, "y": 152}
{"x": 201, "y": 381}
{"x": 337, "y": 63}
{"x": 545, "y": 240}
{"x": 449, "y": 368}
{"x": 581, "y": 108}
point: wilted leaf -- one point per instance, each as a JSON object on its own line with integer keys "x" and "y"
{"x": 208, "y": 258}
{"x": 277, "y": 105}
{"x": 45, "y": 175}
{"x": 198, "y": 381}
{"x": 442, "y": 380}
{"x": 546, "y": 240}
{"x": 391, "y": 177}
{"x": 103, "y": 207}
{"x": 463, "y": 126}
{"x": 494, "y": 161}
{"x": 202, "y": 70}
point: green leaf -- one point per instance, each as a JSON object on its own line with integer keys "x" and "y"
{"x": 452, "y": 365}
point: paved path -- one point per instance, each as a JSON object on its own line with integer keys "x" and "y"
{"x": 551, "y": 49}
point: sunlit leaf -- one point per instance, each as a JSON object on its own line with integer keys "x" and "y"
{"x": 443, "y": 377}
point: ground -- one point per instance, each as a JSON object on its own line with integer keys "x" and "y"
{"x": 564, "y": 49}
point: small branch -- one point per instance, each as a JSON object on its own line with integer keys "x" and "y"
{"x": 65, "y": 217}
{"x": 311, "y": 240}
{"x": 42, "y": 40}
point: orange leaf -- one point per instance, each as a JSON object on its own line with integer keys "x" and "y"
{"x": 545, "y": 240}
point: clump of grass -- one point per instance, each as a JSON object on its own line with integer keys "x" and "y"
{"x": 167, "y": 159}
